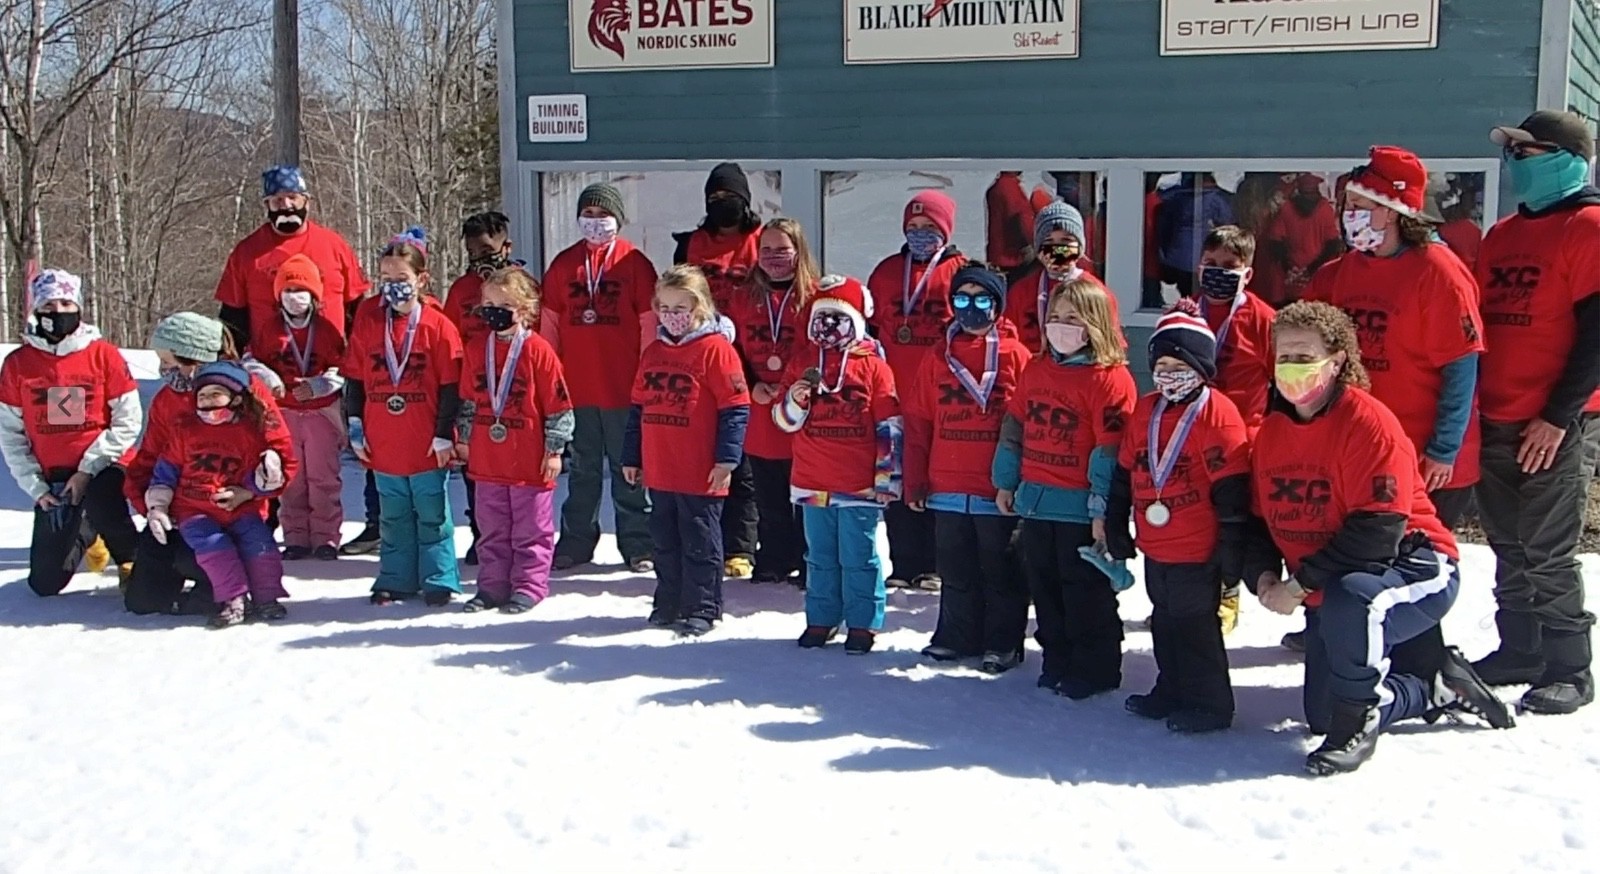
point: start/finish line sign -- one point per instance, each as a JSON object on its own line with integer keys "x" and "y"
{"x": 1228, "y": 27}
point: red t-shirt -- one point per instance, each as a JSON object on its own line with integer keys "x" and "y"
{"x": 399, "y": 443}
{"x": 1533, "y": 271}
{"x": 1217, "y": 447}
{"x": 1067, "y": 411}
{"x": 1464, "y": 237}
{"x": 837, "y": 448}
{"x": 1031, "y": 291}
{"x": 1009, "y": 219}
{"x": 726, "y": 259}
{"x": 1306, "y": 236}
{"x": 600, "y": 356}
{"x": 950, "y": 440}
{"x": 271, "y": 347}
{"x": 1246, "y": 362}
{"x": 29, "y": 374}
{"x": 681, "y": 390}
{"x": 1414, "y": 313}
{"x": 752, "y": 322}
{"x": 166, "y": 408}
{"x": 538, "y": 390}
{"x": 464, "y": 296}
{"x": 1308, "y": 477}
{"x": 926, "y": 320}
{"x": 211, "y": 458}
{"x": 247, "y": 277}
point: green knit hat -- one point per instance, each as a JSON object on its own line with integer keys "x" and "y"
{"x": 189, "y": 335}
{"x": 606, "y": 196}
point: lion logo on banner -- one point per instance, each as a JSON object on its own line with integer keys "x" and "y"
{"x": 608, "y": 21}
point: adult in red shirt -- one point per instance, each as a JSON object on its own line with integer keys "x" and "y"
{"x": 1060, "y": 244}
{"x": 1540, "y": 270}
{"x": 597, "y": 296}
{"x": 69, "y": 411}
{"x": 245, "y": 290}
{"x": 910, "y": 311}
{"x": 1303, "y": 236}
{"x": 1342, "y": 503}
{"x": 726, "y": 247}
{"x": 1008, "y": 216}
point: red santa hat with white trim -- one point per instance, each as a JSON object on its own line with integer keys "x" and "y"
{"x": 844, "y": 294}
{"x": 1183, "y": 334}
{"x": 1392, "y": 177}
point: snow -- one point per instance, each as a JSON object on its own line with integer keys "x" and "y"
{"x": 356, "y": 738}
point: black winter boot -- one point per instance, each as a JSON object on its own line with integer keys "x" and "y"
{"x": 1567, "y": 682}
{"x": 1459, "y": 689}
{"x": 1352, "y": 739}
{"x": 1518, "y": 660}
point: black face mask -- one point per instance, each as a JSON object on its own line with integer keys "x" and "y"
{"x": 287, "y": 221}
{"x": 56, "y": 327}
{"x": 497, "y": 318}
{"x": 484, "y": 265}
{"x": 724, "y": 212}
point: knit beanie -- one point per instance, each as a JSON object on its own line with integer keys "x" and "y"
{"x": 939, "y": 209}
{"x": 299, "y": 271}
{"x": 1182, "y": 333}
{"x": 983, "y": 277}
{"x": 606, "y": 196}
{"x": 728, "y": 177}
{"x": 189, "y": 335}
{"x": 52, "y": 285}
{"x": 1058, "y": 215}
{"x": 231, "y": 375}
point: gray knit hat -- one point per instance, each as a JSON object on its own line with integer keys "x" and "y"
{"x": 604, "y": 195}
{"x": 1058, "y": 215}
{"x": 189, "y": 335}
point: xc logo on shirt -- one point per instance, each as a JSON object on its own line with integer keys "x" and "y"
{"x": 1060, "y": 421}
{"x": 416, "y": 365}
{"x": 1294, "y": 490}
{"x": 1514, "y": 283}
{"x": 210, "y": 462}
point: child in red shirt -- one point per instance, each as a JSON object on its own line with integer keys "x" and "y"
{"x": 1183, "y": 474}
{"x": 402, "y": 376}
{"x": 1060, "y": 243}
{"x": 69, "y": 412}
{"x": 515, "y": 421}
{"x": 685, "y": 436}
{"x": 845, "y": 415}
{"x": 221, "y": 462}
{"x": 304, "y": 348}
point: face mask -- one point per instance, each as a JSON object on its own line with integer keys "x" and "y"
{"x": 216, "y": 415}
{"x": 1303, "y": 383}
{"x": 598, "y": 231}
{"x": 56, "y": 327}
{"x": 396, "y": 293}
{"x": 724, "y": 212}
{"x": 287, "y": 221}
{"x": 923, "y": 242}
{"x": 497, "y": 318}
{"x": 1220, "y": 283}
{"x": 297, "y": 303}
{"x": 1542, "y": 181}
{"x": 974, "y": 312}
{"x": 1064, "y": 338}
{"x": 676, "y": 324}
{"x": 1061, "y": 259}
{"x": 779, "y": 267}
{"x": 1175, "y": 385}
{"x": 484, "y": 265}
{"x": 177, "y": 380}
{"x": 1359, "y": 232}
{"x": 831, "y": 330}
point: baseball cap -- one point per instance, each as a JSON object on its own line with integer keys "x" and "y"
{"x": 1561, "y": 130}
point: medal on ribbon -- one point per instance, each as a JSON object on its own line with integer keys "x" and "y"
{"x": 775, "y": 321}
{"x": 911, "y": 297}
{"x": 397, "y": 364}
{"x": 1163, "y": 463}
{"x": 591, "y": 281}
{"x": 981, "y": 388}
{"x": 498, "y": 383}
{"x": 302, "y": 359}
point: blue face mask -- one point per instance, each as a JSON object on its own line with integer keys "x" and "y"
{"x": 974, "y": 312}
{"x": 396, "y": 293}
{"x": 1542, "y": 181}
{"x": 923, "y": 242}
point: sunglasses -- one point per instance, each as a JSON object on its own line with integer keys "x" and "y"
{"x": 961, "y": 300}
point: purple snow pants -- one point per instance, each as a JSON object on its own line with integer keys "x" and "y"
{"x": 238, "y": 558}
{"x": 516, "y": 540}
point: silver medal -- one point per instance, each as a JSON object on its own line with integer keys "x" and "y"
{"x": 498, "y": 432}
{"x": 395, "y": 404}
{"x": 1157, "y": 514}
{"x": 774, "y": 363}
{"x": 590, "y": 317}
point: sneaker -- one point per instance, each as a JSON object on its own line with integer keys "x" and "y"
{"x": 1198, "y": 722}
{"x": 229, "y": 613}
{"x": 644, "y": 564}
{"x": 471, "y": 559}
{"x": 859, "y": 641}
{"x": 437, "y": 597}
{"x": 694, "y": 626}
{"x": 662, "y": 619}
{"x": 1459, "y": 689}
{"x": 737, "y": 568}
{"x": 1081, "y": 690}
{"x": 996, "y": 663}
{"x": 519, "y": 603}
{"x": 817, "y": 636}
{"x": 940, "y": 653}
{"x": 477, "y": 604}
{"x": 266, "y": 611}
{"x": 1228, "y": 613}
{"x": 325, "y": 553}
{"x": 1150, "y": 706}
{"x": 296, "y": 553}
{"x": 383, "y": 598}
{"x": 364, "y": 543}
{"x": 565, "y": 563}
{"x": 1294, "y": 640}
{"x": 1351, "y": 741}
{"x": 97, "y": 558}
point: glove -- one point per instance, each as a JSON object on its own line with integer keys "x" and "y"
{"x": 358, "y": 433}
{"x": 61, "y": 513}
{"x": 441, "y": 445}
{"x": 159, "y": 524}
{"x": 265, "y": 374}
{"x": 269, "y": 474}
{"x": 1119, "y": 544}
{"x": 1116, "y": 571}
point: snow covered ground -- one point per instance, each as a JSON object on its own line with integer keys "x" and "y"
{"x": 355, "y": 738}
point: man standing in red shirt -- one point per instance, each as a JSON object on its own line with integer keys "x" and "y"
{"x": 1009, "y": 216}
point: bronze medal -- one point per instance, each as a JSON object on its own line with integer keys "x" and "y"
{"x": 498, "y": 432}
{"x": 905, "y": 335}
{"x": 395, "y": 404}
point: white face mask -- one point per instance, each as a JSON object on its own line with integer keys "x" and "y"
{"x": 297, "y": 303}
{"x": 598, "y": 231}
{"x": 1359, "y": 232}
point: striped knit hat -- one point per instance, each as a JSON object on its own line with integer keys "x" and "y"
{"x": 1182, "y": 333}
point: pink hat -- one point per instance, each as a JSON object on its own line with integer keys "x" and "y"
{"x": 938, "y": 207}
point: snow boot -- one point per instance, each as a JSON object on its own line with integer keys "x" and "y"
{"x": 1080, "y": 690}
{"x": 694, "y": 626}
{"x": 1228, "y": 612}
{"x": 478, "y": 603}
{"x": 436, "y": 597}
{"x": 229, "y": 613}
{"x": 98, "y": 557}
{"x": 519, "y": 603}
{"x": 382, "y": 598}
{"x": 859, "y": 641}
{"x": 1519, "y": 659}
{"x": 817, "y": 636}
{"x": 996, "y": 663}
{"x": 364, "y": 543}
{"x": 296, "y": 553}
{"x": 1352, "y": 739}
{"x": 738, "y": 568}
{"x": 662, "y": 619}
{"x": 940, "y": 653}
{"x": 1198, "y": 722}
{"x": 325, "y": 553}
{"x": 1151, "y": 706}
{"x": 1295, "y": 641}
{"x": 266, "y": 611}
{"x": 1567, "y": 683}
{"x": 1459, "y": 689}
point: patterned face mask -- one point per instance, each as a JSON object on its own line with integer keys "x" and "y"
{"x": 1303, "y": 382}
{"x": 598, "y": 231}
{"x": 397, "y": 292}
{"x": 1220, "y": 283}
{"x": 923, "y": 242}
{"x": 1359, "y": 232}
{"x": 216, "y": 415}
{"x": 676, "y": 324}
{"x": 1175, "y": 385}
{"x": 831, "y": 330}
{"x": 177, "y": 380}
